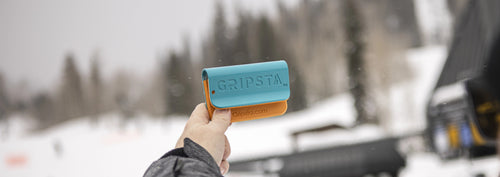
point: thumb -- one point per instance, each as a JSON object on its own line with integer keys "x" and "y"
{"x": 221, "y": 119}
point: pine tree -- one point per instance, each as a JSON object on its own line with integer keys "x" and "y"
{"x": 266, "y": 40}
{"x": 220, "y": 51}
{"x": 179, "y": 87}
{"x": 4, "y": 100}
{"x": 43, "y": 109}
{"x": 71, "y": 103}
{"x": 241, "y": 53}
{"x": 96, "y": 89}
{"x": 353, "y": 29}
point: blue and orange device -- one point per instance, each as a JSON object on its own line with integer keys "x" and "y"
{"x": 251, "y": 91}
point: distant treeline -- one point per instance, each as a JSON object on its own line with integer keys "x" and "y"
{"x": 330, "y": 46}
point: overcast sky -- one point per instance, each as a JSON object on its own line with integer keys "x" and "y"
{"x": 35, "y": 35}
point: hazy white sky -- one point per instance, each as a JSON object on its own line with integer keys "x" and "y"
{"x": 36, "y": 35}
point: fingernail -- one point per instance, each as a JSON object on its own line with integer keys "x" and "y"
{"x": 221, "y": 111}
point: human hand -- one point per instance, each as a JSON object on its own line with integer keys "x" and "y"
{"x": 209, "y": 134}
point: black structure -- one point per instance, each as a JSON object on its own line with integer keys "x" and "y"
{"x": 466, "y": 95}
{"x": 472, "y": 42}
{"x": 471, "y": 71}
{"x": 370, "y": 158}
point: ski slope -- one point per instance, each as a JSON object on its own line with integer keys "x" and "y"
{"x": 117, "y": 147}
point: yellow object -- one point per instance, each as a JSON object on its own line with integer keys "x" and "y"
{"x": 454, "y": 136}
{"x": 478, "y": 140}
{"x": 485, "y": 108}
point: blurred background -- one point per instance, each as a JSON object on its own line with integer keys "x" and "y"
{"x": 104, "y": 87}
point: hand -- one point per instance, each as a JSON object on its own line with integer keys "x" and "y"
{"x": 209, "y": 134}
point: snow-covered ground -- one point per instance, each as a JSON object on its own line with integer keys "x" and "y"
{"x": 80, "y": 148}
{"x": 83, "y": 148}
{"x": 113, "y": 148}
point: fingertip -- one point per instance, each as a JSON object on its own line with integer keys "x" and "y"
{"x": 199, "y": 114}
{"x": 222, "y": 111}
{"x": 200, "y": 108}
{"x": 200, "y": 105}
{"x": 223, "y": 114}
{"x": 224, "y": 167}
{"x": 221, "y": 118}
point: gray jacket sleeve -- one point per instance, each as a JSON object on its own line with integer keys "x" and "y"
{"x": 192, "y": 160}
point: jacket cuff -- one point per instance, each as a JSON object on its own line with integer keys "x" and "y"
{"x": 193, "y": 150}
{"x": 175, "y": 152}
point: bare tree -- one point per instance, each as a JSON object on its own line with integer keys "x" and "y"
{"x": 122, "y": 94}
{"x": 353, "y": 28}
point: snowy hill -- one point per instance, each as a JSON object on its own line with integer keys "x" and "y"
{"x": 114, "y": 147}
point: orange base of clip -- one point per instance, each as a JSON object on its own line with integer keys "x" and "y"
{"x": 251, "y": 112}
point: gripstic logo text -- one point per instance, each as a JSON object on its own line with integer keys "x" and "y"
{"x": 259, "y": 81}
